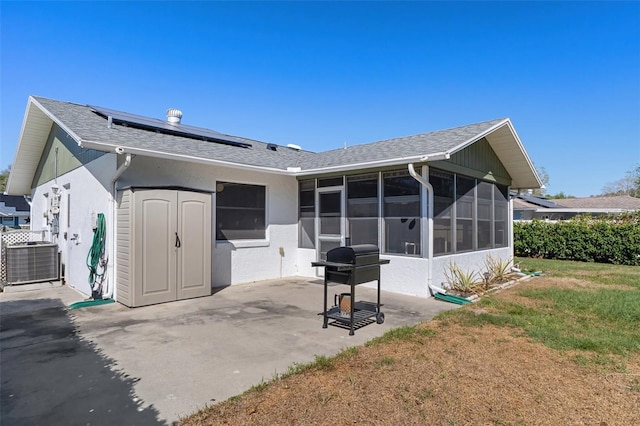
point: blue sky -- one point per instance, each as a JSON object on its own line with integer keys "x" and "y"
{"x": 322, "y": 74}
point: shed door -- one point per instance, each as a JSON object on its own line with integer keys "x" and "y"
{"x": 155, "y": 230}
{"x": 194, "y": 251}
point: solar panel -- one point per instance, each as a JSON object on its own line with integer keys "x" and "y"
{"x": 543, "y": 202}
{"x": 155, "y": 125}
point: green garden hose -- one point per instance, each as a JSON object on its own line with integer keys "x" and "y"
{"x": 96, "y": 253}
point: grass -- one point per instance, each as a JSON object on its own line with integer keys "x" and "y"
{"x": 408, "y": 333}
{"x": 603, "y": 320}
{"x": 601, "y": 273}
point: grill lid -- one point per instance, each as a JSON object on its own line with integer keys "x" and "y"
{"x": 360, "y": 254}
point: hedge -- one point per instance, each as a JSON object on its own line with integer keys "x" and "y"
{"x": 613, "y": 239}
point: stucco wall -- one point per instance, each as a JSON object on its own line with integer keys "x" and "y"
{"x": 87, "y": 190}
{"x": 233, "y": 262}
{"x": 474, "y": 261}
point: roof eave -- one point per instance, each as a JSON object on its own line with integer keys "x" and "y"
{"x": 106, "y": 147}
{"x": 400, "y": 161}
{"x": 34, "y": 133}
{"x": 516, "y": 161}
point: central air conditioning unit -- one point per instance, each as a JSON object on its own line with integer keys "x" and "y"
{"x": 32, "y": 262}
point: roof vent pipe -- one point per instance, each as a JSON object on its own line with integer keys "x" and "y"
{"x": 174, "y": 116}
{"x": 109, "y": 122}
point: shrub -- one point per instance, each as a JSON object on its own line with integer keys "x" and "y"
{"x": 460, "y": 280}
{"x": 497, "y": 268}
{"x": 610, "y": 239}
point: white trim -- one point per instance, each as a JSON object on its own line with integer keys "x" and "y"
{"x": 330, "y": 237}
{"x": 290, "y": 171}
{"x": 242, "y": 243}
{"x": 53, "y": 118}
{"x": 188, "y": 158}
{"x": 400, "y": 161}
{"x": 478, "y": 136}
{"x": 524, "y": 153}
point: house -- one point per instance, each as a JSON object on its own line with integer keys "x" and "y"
{"x": 187, "y": 208}
{"x": 528, "y": 206}
{"x": 14, "y": 211}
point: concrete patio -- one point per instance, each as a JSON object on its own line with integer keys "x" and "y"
{"x": 111, "y": 365}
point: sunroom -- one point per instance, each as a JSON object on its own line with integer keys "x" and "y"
{"x": 423, "y": 216}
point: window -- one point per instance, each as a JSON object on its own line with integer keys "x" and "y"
{"x": 362, "y": 208}
{"x": 327, "y": 182}
{"x": 442, "y": 183}
{"x": 307, "y": 213}
{"x": 465, "y": 213}
{"x": 240, "y": 211}
{"x": 480, "y": 213}
{"x": 485, "y": 214}
{"x": 501, "y": 211}
{"x": 401, "y": 213}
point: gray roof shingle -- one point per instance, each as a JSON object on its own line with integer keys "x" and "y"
{"x": 624, "y": 202}
{"x": 407, "y": 146}
{"x": 90, "y": 127}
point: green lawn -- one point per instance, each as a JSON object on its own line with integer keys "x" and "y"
{"x": 601, "y": 316}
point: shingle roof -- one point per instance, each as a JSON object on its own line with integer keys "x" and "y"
{"x": 91, "y": 130}
{"x": 90, "y": 127}
{"x": 624, "y": 202}
{"x": 15, "y": 201}
{"x": 14, "y": 205}
{"x": 409, "y": 146}
{"x": 519, "y": 204}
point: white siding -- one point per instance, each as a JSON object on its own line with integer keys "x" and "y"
{"x": 123, "y": 252}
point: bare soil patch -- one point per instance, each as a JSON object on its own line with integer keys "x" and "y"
{"x": 447, "y": 375}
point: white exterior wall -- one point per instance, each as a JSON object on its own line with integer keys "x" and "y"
{"x": 304, "y": 259}
{"x": 406, "y": 275}
{"x": 88, "y": 190}
{"x": 472, "y": 261}
{"x": 410, "y": 275}
{"x": 233, "y": 262}
{"x": 238, "y": 261}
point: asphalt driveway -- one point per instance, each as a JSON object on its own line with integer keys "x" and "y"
{"x": 108, "y": 364}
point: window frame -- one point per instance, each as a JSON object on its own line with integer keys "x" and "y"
{"x": 411, "y": 249}
{"x": 354, "y": 201}
{"x": 263, "y": 233}
{"x": 309, "y": 208}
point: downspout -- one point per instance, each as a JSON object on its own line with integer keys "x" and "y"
{"x": 425, "y": 182}
{"x": 114, "y": 181}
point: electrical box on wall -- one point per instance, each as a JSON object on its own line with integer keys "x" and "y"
{"x": 55, "y": 203}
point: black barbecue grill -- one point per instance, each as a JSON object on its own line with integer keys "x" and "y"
{"x": 352, "y": 265}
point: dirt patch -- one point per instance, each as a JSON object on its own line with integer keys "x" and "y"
{"x": 448, "y": 375}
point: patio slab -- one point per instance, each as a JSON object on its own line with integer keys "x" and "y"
{"x": 110, "y": 364}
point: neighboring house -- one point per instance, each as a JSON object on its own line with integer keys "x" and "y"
{"x": 188, "y": 208}
{"x": 528, "y": 207}
{"x": 14, "y": 211}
